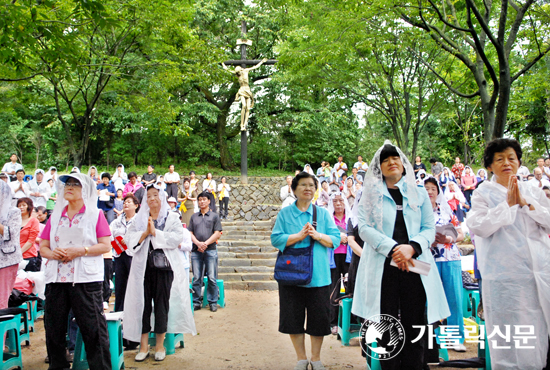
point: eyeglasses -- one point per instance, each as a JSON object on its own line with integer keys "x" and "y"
{"x": 73, "y": 184}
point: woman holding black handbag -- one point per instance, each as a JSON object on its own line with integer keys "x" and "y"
{"x": 156, "y": 274}
{"x": 294, "y": 228}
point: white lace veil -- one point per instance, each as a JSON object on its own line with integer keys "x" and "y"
{"x": 142, "y": 218}
{"x": 75, "y": 169}
{"x": 355, "y": 209}
{"x": 308, "y": 169}
{"x": 5, "y": 201}
{"x": 48, "y": 174}
{"x": 330, "y": 207}
{"x": 90, "y": 171}
{"x": 445, "y": 210}
{"x": 33, "y": 181}
{"x": 374, "y": 184}
{"x": 89, "y": 196}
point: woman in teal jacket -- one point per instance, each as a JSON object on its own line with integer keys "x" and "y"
{"x": 293, "y": 228}
{"x": 396, "y": 222}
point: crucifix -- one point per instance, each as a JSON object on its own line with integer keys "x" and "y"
{"x": 244, "y": 95}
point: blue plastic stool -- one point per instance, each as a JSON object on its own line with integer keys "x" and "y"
{"x": 9, "y": 329}
{"x": 467, "y": 307}
{"x": 24, "y": 325}
{"x": 373, "y": 364}
{"x": 37, "y": 313}
{"x": 484, "y": 352}
{"x": 221, "y": 296}
{"x": 347, "y": 330}
{"x": 114, "y": 328}
{"x": 170, "y": 341}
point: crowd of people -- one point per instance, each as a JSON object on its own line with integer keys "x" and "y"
{"x": 394, "y": 217}
{"x": 387, "y": 231}
{"x": 78, "y": 228}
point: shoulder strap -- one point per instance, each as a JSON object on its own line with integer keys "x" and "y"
{"x": 314, "y": 222}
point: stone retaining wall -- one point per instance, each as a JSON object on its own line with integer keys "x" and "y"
{"x": 257, "y": 201}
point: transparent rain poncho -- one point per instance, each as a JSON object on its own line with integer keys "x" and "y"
{"x": 513, "y": 256}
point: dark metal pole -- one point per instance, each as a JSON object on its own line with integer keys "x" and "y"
{"x": 244, "y": 136}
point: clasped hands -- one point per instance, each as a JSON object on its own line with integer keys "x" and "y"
{"x": 402, "y": 255}
{"x": 513, "y": 196}
{"x": 67, "y": 254}
{"x": 309, "y": 230}
{"x": 150, "y": 228}
{"x": 201, "y": 246}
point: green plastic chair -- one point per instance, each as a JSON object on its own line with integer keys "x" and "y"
{"x": 221, "y": 290}
{"x": 346, "y": 330}
{"x": 9, "y": 337}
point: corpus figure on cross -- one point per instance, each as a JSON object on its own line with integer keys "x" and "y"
{"x": 244, "y": 94}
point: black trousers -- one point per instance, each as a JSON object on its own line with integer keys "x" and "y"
{"x": 224, "y": 206}
{"x": 172, "y": 190}
{"x": 86, "y": 301}
{"x": 107, "y": 277}
{"x": 342, "y": 267}
{"x": 122, "y": 272}
{"x": 157, "y": 284}
{"x": 403, "y": 297}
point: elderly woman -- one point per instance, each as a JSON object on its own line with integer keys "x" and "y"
{"x": 132, "y": 186}
{"x": 29, "y": 232}
{"x": 39, "y": 189}
{"x": 10, "y": 251}
{"x": 456, "y": 200}
{"x": 511, "y": 221}
{"x": 447, "y": 257}
{"x": 446, "y": 177}
{"x": 74, "y": 240}
{"x": 396, "y": 223}
{"x": 469, "y": 182}
{"x": 119, "y": 177}
{"x": 339, "y": 258}
{"x": 187, "y": 206}
{"x": 293, "y": 228}
{"x": 481, "y": 176}
{"x": 123, "y": 261}
{"x": 160, "y": 278}
{"x": 287, "y": 195}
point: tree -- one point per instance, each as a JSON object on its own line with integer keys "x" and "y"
{"x": 77, "y": 51}
{"x": 483, "y": 36}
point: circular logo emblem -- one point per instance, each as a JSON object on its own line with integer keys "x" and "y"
{"x": 382, "y": 337}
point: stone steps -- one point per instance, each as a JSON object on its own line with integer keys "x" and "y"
{"x": 246, "y": 256}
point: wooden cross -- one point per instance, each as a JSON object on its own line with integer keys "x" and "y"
{"x": 243, "y": 63}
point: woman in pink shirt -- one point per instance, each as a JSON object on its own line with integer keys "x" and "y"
{"x": 339, "y": 208}
{"x": 29, "y": 232}
{"x": 132, "y": 185}
{"x": 469, "y": 182}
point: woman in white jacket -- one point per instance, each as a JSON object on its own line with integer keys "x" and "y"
{"x": 155, "y": 228}
{"x": 511, "y": 222}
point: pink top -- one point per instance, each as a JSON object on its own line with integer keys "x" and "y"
{"x": 129, "y": 188}
{"x": 102, "y": 228}
{"x": 342, "y": 248}
{"x": 469, "y": 181}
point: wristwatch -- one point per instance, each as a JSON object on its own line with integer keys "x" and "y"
{"x": 86, "y": 251}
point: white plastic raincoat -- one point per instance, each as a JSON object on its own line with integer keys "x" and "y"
{"x": 180, "y": 316}
{"x": 513, "y": 255}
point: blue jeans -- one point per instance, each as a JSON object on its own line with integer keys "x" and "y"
{"x": 206, "y": 262}
{"x": 451, "y": 277}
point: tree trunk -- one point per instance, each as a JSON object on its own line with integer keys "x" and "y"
{"x": 225, "y": 157}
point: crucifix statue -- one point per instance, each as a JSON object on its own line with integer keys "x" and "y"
{"x": 244, "y": 95}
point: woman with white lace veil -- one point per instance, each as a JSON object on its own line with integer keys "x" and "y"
{"x": 73, "y": 241}
{"x": 447, "y": 257}
{"x": 340, "y": 257}
{"x": 396, "y": 223}
{"x": 10, "y": 250}
{"x": 120, "y": 177}
{"x": 154, "y": 229}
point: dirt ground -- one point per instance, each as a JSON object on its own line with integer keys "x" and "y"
{"x": 243, "y": 335}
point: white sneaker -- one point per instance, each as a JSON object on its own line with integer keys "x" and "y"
{"x": 460, "y": 348}
{"x": 160, "y": 356}
{"x": 141, "y": 356}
